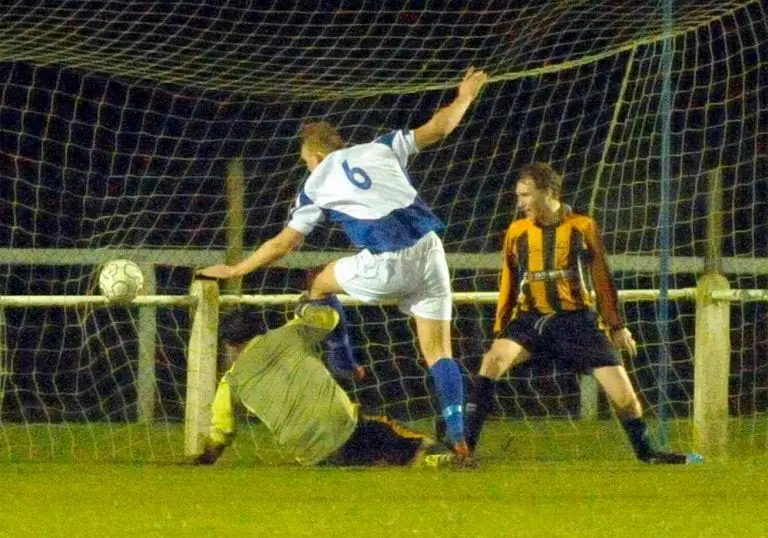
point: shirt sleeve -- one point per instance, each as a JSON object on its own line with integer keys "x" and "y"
{"x": 508, "y": 287}
{"x": 605, "y": 291}
{"x": 223, "y": 424}
{"x": 305, "y": 214}
{"x": 401, "y": 143}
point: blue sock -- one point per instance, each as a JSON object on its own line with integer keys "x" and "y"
{"x": 337, "y": 346}
{"x": 450, "y": 392}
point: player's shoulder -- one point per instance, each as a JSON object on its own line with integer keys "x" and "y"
{"x": 392, "y": 141}
{"x": 389, "y": 139}
{"x": 517, "y": 227}
{"x": 578, "y": 220}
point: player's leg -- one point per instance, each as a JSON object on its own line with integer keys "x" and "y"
{"x": 434, "y": 336}
{"x": 367, "y": 277}
{"x": 377, "y": 440}
{"x": 581, "y": 346}
{"x": 617, "y": 386}
{"x": 510, "y": 348}
{"x": 503, "y": 355}
{"x": 325, "y": 283}
{"x": 430, "y": 303}
{"x": 323, "y": 289}
{"x": 396, "y": 443}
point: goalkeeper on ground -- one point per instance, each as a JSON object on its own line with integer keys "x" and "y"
{"x": 279, "y": 377}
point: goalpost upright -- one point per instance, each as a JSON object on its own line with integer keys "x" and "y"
{"x": 712, "y": 354}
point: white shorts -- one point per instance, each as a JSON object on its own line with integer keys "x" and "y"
{"x": 416, "y": 277}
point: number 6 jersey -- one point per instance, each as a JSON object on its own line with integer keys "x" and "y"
{"x": 366, "y": 189}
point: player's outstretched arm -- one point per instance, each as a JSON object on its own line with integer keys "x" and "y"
{"x": 269, "y": 252}
{"x": 223, "y": 425}
{"x": 446, "y": 119}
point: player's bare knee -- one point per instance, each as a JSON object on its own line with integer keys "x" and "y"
{"x": 494, "y": 364}
{"x": 627, "y": 406}
{"x": 322, "y": 283}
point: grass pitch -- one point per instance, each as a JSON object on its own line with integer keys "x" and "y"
{"x": 539, "y": 484}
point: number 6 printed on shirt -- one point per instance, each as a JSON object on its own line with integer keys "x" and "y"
{"x": 354, "y": 173}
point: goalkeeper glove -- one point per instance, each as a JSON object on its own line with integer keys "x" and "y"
{"x": 211, "y": 453}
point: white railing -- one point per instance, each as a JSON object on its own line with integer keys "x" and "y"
{"x": 711, "y": 361}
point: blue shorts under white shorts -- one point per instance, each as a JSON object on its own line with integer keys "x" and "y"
{"x": 416, "y": 278}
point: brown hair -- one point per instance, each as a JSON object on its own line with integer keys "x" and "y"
{"x": 543, "y": 177}
{"x": 320, "y": 136}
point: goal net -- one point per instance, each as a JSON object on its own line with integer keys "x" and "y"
{"x": 169, "y": 136}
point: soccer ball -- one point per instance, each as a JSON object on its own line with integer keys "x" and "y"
{"x": 120, "y": 281}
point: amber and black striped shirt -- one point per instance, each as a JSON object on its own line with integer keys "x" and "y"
{"x": 548, "y": 269}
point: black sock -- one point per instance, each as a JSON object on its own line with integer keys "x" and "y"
{"x": 637, "y": 432}
{"x": 480, "y": 405}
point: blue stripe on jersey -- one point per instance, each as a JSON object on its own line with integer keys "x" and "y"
{"x": 304, "y": 199}
{"x": 400, "y": 229}
{"x": 387, "y": 139}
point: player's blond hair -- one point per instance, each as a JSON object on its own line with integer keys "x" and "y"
{"x": 543, "y": 177}
{"x": 321, "y": 137}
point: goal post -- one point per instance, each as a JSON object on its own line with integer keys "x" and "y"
{"x": 146, "y": 378}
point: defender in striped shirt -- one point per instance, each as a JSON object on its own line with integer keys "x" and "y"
{"x": 553, "y": 258}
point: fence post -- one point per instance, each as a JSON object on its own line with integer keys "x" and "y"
{"x": 147, "y": 379}
{"x": 235, "y": 185}
{"x": 201, "y": 364}
{"x": 712, "y": 359}
{"x": 712, "y": 362}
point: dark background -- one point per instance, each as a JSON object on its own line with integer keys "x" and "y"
{"x": 118, "y": 119}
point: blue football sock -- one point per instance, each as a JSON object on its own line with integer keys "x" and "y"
{"x": 338, "y": 349}
{"x": 450, "y": 392}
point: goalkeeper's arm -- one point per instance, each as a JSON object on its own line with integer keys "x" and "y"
{"x": 223, "y": 425}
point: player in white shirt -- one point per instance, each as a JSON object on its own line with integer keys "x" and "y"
{"x": 365, "y": 188}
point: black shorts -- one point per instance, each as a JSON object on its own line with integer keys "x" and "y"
{"x": 572, "y": 340}
{"x": 378, "y": 440}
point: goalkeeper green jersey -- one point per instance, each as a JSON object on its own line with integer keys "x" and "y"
{"x": 280, "y": 378}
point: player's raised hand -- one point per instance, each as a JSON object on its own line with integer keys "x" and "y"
{"x": 472, "y": 83}
{"x": 217, "y": 271}
{"x": 623, "y": 339}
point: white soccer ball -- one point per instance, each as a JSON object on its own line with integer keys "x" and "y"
{"x": 120, "y": 281}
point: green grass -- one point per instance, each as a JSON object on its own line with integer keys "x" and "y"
{"x": 501, "y": 499}
{"x": 545, "y": 480}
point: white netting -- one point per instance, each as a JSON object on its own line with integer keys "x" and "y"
{"x": 119, "y": 120}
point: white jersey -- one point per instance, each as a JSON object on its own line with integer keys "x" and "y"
{"x": 366, "y": 189}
